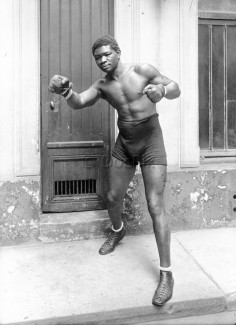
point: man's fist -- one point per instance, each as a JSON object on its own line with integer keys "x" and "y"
{"x": 60, "y": 85}
{"x": 154, "y": 92}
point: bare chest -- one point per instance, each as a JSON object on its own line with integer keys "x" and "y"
{"x": 125, "y": 90}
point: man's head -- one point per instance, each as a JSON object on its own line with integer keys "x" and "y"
{"x": 106, "y": 40}
{"x": 106, "y": 53}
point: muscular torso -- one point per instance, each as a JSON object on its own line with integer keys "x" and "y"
{"x": 125, "y": 94}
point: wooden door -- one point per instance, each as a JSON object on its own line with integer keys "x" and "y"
{"x": 75, "y": 144}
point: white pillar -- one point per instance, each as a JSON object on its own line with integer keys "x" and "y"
{"x": 165, "y": 34}
{"x": 189, "y": 147}
{"x": 19, "y": 88}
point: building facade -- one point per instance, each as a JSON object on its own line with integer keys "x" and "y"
{"x": 184, "y": 40}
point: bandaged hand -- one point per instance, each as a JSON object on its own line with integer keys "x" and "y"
{"x": 60, "y": 85}
{"x": 154, "y": 92}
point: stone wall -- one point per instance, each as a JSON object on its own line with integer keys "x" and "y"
{"x": 19, "y": 212}
{"x": 195, "y": 199}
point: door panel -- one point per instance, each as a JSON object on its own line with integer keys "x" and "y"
{"x": 75, "y": 144}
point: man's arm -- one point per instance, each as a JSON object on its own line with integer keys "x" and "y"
{"x": 61, "y": 85}
{"x": 84, "y": 99}
{"x": 159, "y": 86}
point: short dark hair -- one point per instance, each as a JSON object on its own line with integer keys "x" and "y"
{"x": 106, "y": 40}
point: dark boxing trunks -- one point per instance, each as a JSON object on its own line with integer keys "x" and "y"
{"x": 140, "y": 141}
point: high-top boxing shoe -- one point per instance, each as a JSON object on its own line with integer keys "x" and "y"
{"x": 111, "y": 242}
{"x": 164, "y": 290}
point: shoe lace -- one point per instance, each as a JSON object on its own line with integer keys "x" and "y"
{"x": 163, "y": 287}
{"x": 110, "y": 239}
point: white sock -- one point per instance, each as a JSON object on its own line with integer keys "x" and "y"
{"x": 117, "y": 230}
{"x": 169, "y": 268}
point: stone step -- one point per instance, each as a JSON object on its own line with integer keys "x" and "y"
{"x": 84, "y": 225}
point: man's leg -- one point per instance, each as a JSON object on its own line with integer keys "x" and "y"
{"x": 119, "y": 177}
{"x": 154, "y": 177}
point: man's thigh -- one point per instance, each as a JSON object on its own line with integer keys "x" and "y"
{"x": 120, "y": 175}
{"x": 154, "y": 177}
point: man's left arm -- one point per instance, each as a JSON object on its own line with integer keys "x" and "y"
{"x": 169, "y": 87}
{"x": 159, "y": 85}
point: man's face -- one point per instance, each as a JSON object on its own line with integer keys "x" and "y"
{"x": 106, "y": 58}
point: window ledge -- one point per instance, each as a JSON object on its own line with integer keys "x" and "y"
{"x": 217, "y": 157}
{"x": 216, "y": 15}
{"x": 212, "y": 166}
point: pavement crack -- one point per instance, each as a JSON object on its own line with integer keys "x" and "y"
{"x": 201, "y": 267}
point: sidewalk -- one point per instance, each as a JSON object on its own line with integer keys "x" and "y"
{"x": 70, "y": 283}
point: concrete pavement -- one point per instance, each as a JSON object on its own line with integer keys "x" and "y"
{"x": 70, "y": 283}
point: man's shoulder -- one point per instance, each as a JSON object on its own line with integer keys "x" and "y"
{"x": 143, "y": 67}
{"x": 99, "y": 83}
{"x": 146, "y": 70}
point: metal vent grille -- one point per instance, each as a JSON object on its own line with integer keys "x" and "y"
{"x": 78, "y": 187}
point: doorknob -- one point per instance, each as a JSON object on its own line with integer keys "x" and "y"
{"x": 52, "y": 105}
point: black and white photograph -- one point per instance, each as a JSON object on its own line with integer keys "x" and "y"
{"x": 118, "y": 162}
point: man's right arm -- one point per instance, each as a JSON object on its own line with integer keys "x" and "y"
{"x": 84, "y": 99}
{"x": 62, "y": 85}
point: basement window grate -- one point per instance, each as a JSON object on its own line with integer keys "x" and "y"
{"x": 77, "y": 187}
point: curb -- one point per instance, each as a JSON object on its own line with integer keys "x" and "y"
{"x": 141, "y": 314}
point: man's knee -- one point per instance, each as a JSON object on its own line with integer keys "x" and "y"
{"x": 113, "y": 197}
{"x": 155, "y": 207}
